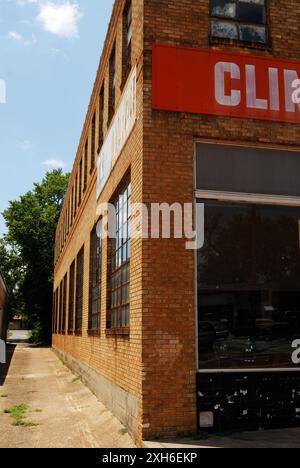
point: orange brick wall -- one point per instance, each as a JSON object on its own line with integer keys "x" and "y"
{"x": 117, "y": 359}
{"x": 169, "y": 394}
{"x": 157, "y": 363}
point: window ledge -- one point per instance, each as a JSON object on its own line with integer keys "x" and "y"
{"x": 215, "y": 41}
{"x": 118, "y": 332}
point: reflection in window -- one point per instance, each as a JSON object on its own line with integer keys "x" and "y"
{"x": 95, "y": 278}
{"x": 79, "y": 291}
{"x": 243, "y": 20}
{"x": 71, "y": 298}
{"x": 112, "y": 84}
{"x": 249, "y": 286}
{"x": 120, "y": 262}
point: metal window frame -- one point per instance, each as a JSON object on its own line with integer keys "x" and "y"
{"x": 235, "y": 197}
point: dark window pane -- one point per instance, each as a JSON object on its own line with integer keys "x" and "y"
{"x": 253, "y": 34}
{"x": 224, "y": 29}
{"x": 254, "y": 12}
{"x": 223, "y": 8}
{"x": 249, "y": 286}
{"x": 95, "y": 278}
{"x": 248, "y": 170}
{"x": 79, "y": 291}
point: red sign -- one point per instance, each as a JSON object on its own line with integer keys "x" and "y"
{"x": 220, "y": 83}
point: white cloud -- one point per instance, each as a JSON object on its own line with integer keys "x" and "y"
{"x": 54, "y": 164}
{"x": 25, "y": 145}
{"x": 15, "y": 36}
{"x": 60, "y": 19}
{"x": 26, "y": 2}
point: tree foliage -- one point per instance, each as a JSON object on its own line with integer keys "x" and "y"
{"x": 27, "y": 251}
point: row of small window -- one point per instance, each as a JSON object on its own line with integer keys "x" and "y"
{"x": 69, "y": 319}
{"x": 239, "y": 20}
{"x": 87, "y": 163}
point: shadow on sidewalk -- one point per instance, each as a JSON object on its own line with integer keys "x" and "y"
{"x": 4, "y": 368}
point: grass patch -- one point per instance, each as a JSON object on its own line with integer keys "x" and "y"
{"x": 76, "y": 378}
{"x": 9, "y": 335}
{"x": 18, "y": 413}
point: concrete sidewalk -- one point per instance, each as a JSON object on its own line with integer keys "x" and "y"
{"x": 63, "y": 412}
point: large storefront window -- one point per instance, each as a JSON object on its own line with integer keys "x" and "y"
{"x": 249, "y": 286}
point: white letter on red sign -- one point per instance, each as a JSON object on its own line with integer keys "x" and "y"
{"x": 296, "y": 94}
{"x": 235, "y": 97}
{"x": 289, "y": 77}
{"x": 274, "y": 89}
{"x": 252, "y": 101}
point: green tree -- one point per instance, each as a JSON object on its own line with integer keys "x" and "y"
{"x": 13, "y": 270}
{"x": 31, "y": 223}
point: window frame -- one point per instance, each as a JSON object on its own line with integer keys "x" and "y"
{"x": 101, "y": 107}
{"x": 80, "y": 184}
{"x": 95, "y": 279}
{"x": 79, "y": 288}
{"x": 93, "y": 144}
{"x": 71, "y": 303}
{"x": 127, "y": 41}
{"x": 112, "y": 83}
{"x": 64, "y": 304}
{"x": 86, "y": 164}
{"x": 240, "y": 42}
{"x": 116, "y": 323}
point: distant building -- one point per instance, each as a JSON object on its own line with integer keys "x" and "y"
{"x": 193, "y": 104}
{"x": 3, "y": 308}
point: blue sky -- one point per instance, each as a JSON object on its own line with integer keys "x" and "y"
{"x": 49, "y": 54}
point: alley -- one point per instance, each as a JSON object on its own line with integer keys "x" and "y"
{"x": 59, "y": 411}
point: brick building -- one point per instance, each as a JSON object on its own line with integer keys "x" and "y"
{"x": 194, "y": 103}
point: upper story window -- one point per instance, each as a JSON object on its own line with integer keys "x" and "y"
{"x": 75, "y": 195}
{"x": 93, "y": 151}
{"x": 127, "y": 34}
{"x": 86, "y": 157}
{"x": 101, "y": 119}
{"x": 72, "y": 206}
{"x": 239, "y": 20}
{"x": 112, "y": 84}
{"x": 80, "y": 183}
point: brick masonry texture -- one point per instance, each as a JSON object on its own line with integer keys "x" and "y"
{"x": 157, "y": 362}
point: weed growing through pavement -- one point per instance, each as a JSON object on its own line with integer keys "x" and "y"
{"x": 76, "y": 378}
{"x": 18, "y": 413}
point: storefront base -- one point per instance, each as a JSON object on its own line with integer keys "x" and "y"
{"x": 122, "y": 404}
{"x": 248, "y": 400}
